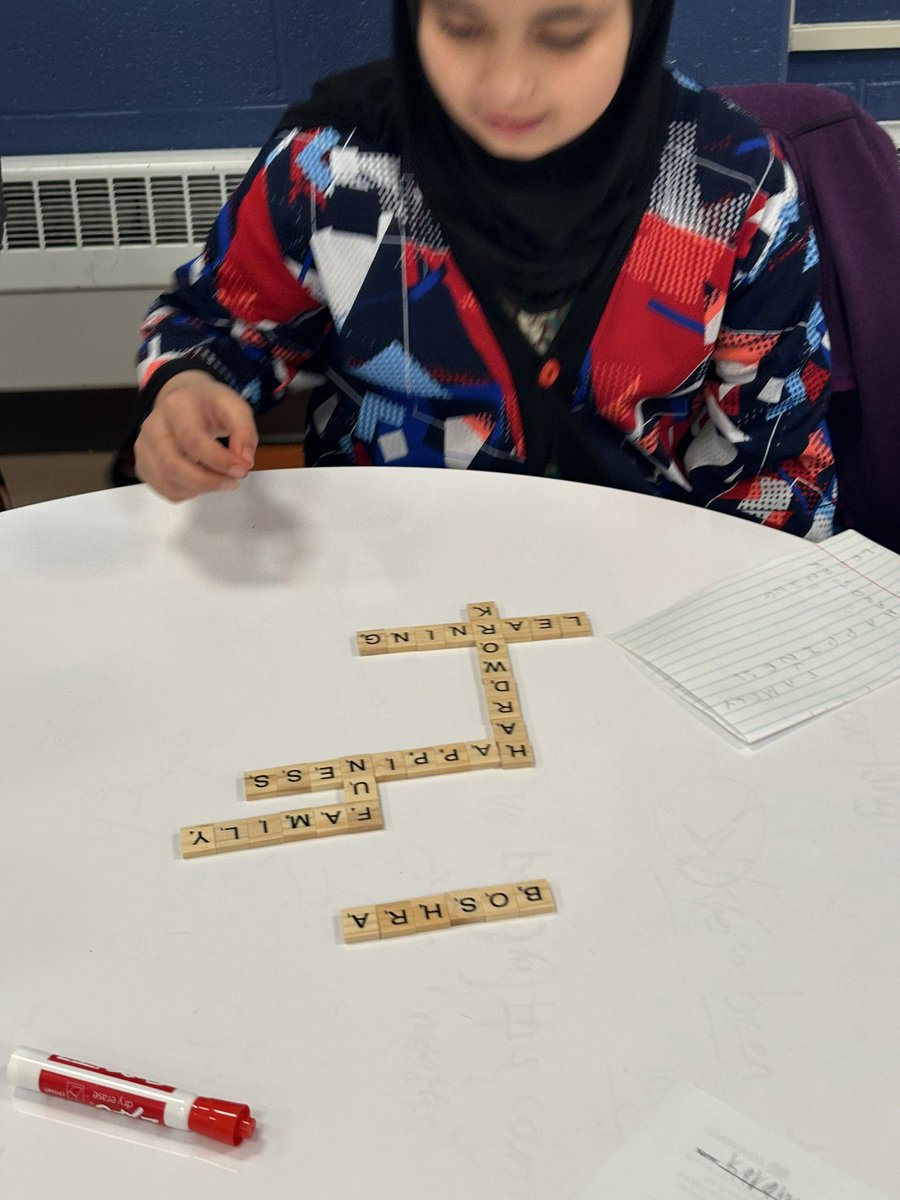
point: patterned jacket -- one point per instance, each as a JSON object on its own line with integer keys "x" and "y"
{"x": 707, "y": 372}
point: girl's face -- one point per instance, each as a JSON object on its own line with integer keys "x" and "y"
{"x": 524, "y": 77}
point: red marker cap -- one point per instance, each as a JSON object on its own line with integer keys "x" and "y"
{"x": 222, "y": 1120}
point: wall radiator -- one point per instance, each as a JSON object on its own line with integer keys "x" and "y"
{"x": 91, "y": 240}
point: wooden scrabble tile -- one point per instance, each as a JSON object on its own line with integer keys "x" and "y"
{"x": 294, "y": 779}
{"x": 453, "y": 758}
{"x": 331, "y": 820}
{"x": 543, "y": 628}
{"x": 482, "y": 611}
{"x": 362, "y": 817}
{"x": 502, "y": 688}
{"x": 430, "y": 912}
{"x": 502, "y": 709}
{"x": 483, "y": 754}
{"x": 509, "y": 729}
{"x": 487, "y": 629}
{"x": 372, "y": 641}
{"x": 197, "y": 841}
{"x": 261, "y": 785}
{"x": 516, "y": 754}
{"x": 359, "y": 764}
{"x": 265, "y": 831}
{"x": 499, "y": 902}
{"x": 498, "y": 666}
{"x": 516, "y": 629}
{"x": 325, "y": 776}
{"x": 490, "y": 647}
{"x": 459, "y": 635}
{"x": 396, "y": 920}
{"x": 499, "y": 685}
{"x": 430, "y": 637}
{"x": 465, "y": 907}
{"x": 401, "y": 639}
{"x": 233, "y": 836}
{"x": 360, "y": 789}
{"x": 359, "y": 925}
{"x": 298, "y": 825}
{"x": 421, "y": 762}
{"x": 534, "y": 896}
{"x": 389, "y": 766}
{"x": 575, "y": 624}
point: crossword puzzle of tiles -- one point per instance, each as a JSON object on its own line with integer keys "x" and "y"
{"x": 357, "y": 776}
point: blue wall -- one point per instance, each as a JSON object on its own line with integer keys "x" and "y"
{"x": 92, "y": 75}
{"x": 870, "y": 77}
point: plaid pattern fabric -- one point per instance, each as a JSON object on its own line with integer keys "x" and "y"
{"x": 709, "y": 366}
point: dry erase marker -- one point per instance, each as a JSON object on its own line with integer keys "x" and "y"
{"x": 85, "y": 1084}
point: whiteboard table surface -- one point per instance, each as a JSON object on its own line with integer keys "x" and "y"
{"x": 727, "y": 917}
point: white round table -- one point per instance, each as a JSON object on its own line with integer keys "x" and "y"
{"x": 726, "y": 917}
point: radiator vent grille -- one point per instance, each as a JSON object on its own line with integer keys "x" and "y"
{"x": 144, "y": 209}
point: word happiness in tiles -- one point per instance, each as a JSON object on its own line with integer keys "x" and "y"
{"x": 425, "y": 914}
{"x": 358, "y": 776}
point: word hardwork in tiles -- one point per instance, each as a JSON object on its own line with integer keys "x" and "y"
{"x": 375, "y": 922}
{"x": 507, "y": 745}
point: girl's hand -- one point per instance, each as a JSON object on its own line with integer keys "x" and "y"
{"x": 177, "y": 451}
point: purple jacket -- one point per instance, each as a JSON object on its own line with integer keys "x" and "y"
{"x": 849, "y": 175}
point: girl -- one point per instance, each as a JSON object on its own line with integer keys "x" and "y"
{"x": 521, "y": 245}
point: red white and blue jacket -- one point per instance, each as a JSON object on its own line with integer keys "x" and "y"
{"x": 705, "y": 378}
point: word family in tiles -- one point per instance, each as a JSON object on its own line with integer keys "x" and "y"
{"x": 357, "y": 777}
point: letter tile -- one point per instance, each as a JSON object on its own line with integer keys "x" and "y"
{"x": 331, "y": 820}
{"x": 465, "y": 908}
{"x": 483, "y": 754}
{"x": 509, "y": 729}
{"x": 325, "y": 776}
{"x": 362, "y": 817}
{"x": 453, "y": 758}
{"x": 459, "y": 635}
{"x": 359, "y": 925}
{"x": 232, "y": 836}
{"x": 360, "y": 789}
{"x": 500, "y": 902}
{"x": 575, "y": 624}
{"x": 482, "y": 611}
{"x": 197, "y": 841}
{"x": 516, "y": 754}
{"x": 261, "y": 785}
{"x": 516, "y": 629}
{"x": 372, "y": 641}
{"x": 390, "y": 766}
{"x": 420, "y": 763}
{"x": 294, "y": 779}
{"x": 430, "y": 912}
{"x": 265, "y": 831}
{"x": 401, "y": 639}
{"x": 396, "y": 920}
{"x": 430, "y": 637}
{"x": 359, "y": 764}
{"x": 543, "y": 628}
{"x": 298, "y": 825}
{"x": 534, "y": 896}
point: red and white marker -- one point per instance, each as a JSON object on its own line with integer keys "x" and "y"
{"x": 54, "y": 1075}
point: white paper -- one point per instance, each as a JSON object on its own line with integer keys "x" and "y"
{"x": 693, "y": 1147}
{"x": 782, "y": 643}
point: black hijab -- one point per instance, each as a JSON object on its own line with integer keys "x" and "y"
{"x": 533, "y": 232}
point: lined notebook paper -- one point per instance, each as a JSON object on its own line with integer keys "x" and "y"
{"x": 782, "y": 643}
